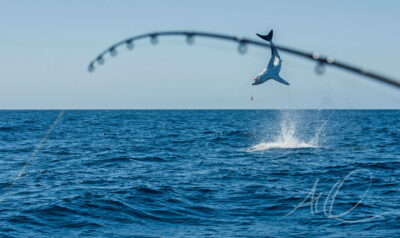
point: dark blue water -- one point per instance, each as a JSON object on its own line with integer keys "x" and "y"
{"x": 199, "y": 173}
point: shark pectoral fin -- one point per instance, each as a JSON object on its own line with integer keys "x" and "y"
{"x": 281, "y": 80}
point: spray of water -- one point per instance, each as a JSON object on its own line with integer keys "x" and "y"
{"x": 287, "y": 138}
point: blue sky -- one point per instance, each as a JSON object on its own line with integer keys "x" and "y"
{"x": 46, "y": 46}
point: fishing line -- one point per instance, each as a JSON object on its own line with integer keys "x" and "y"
{"x": 35, "y": 151}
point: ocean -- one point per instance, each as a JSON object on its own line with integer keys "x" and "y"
{"x": 198, "y": 173}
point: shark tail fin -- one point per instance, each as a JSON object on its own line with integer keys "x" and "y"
{"x": 267, "y": 37}
{"x": 281, "y": 80}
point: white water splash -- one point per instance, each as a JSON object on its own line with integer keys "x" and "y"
{"x": 287, "y": 138}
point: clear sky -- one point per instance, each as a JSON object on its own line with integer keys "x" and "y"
{"x": 46, "y": 46}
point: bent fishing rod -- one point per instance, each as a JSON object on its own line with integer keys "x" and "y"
{"x": 242, "y": 42}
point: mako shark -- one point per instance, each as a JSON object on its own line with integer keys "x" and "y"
{"x": 274, "y": 65}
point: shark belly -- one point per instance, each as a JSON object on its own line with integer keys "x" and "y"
{"x": 267, "y": 76}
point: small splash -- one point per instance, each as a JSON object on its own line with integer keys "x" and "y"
{"x": 287, "y": 138}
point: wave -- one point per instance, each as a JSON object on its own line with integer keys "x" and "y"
{"x": 7, "y": 128}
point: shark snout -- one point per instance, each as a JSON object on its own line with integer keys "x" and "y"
{"x": 255, "y": 81}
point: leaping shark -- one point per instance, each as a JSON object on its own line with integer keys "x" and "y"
{"x": 274, "y": 65}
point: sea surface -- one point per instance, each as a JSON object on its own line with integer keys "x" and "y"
{"x": 200, "y": 173}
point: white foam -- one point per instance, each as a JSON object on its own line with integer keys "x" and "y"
{"x": 289, "y": 144}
